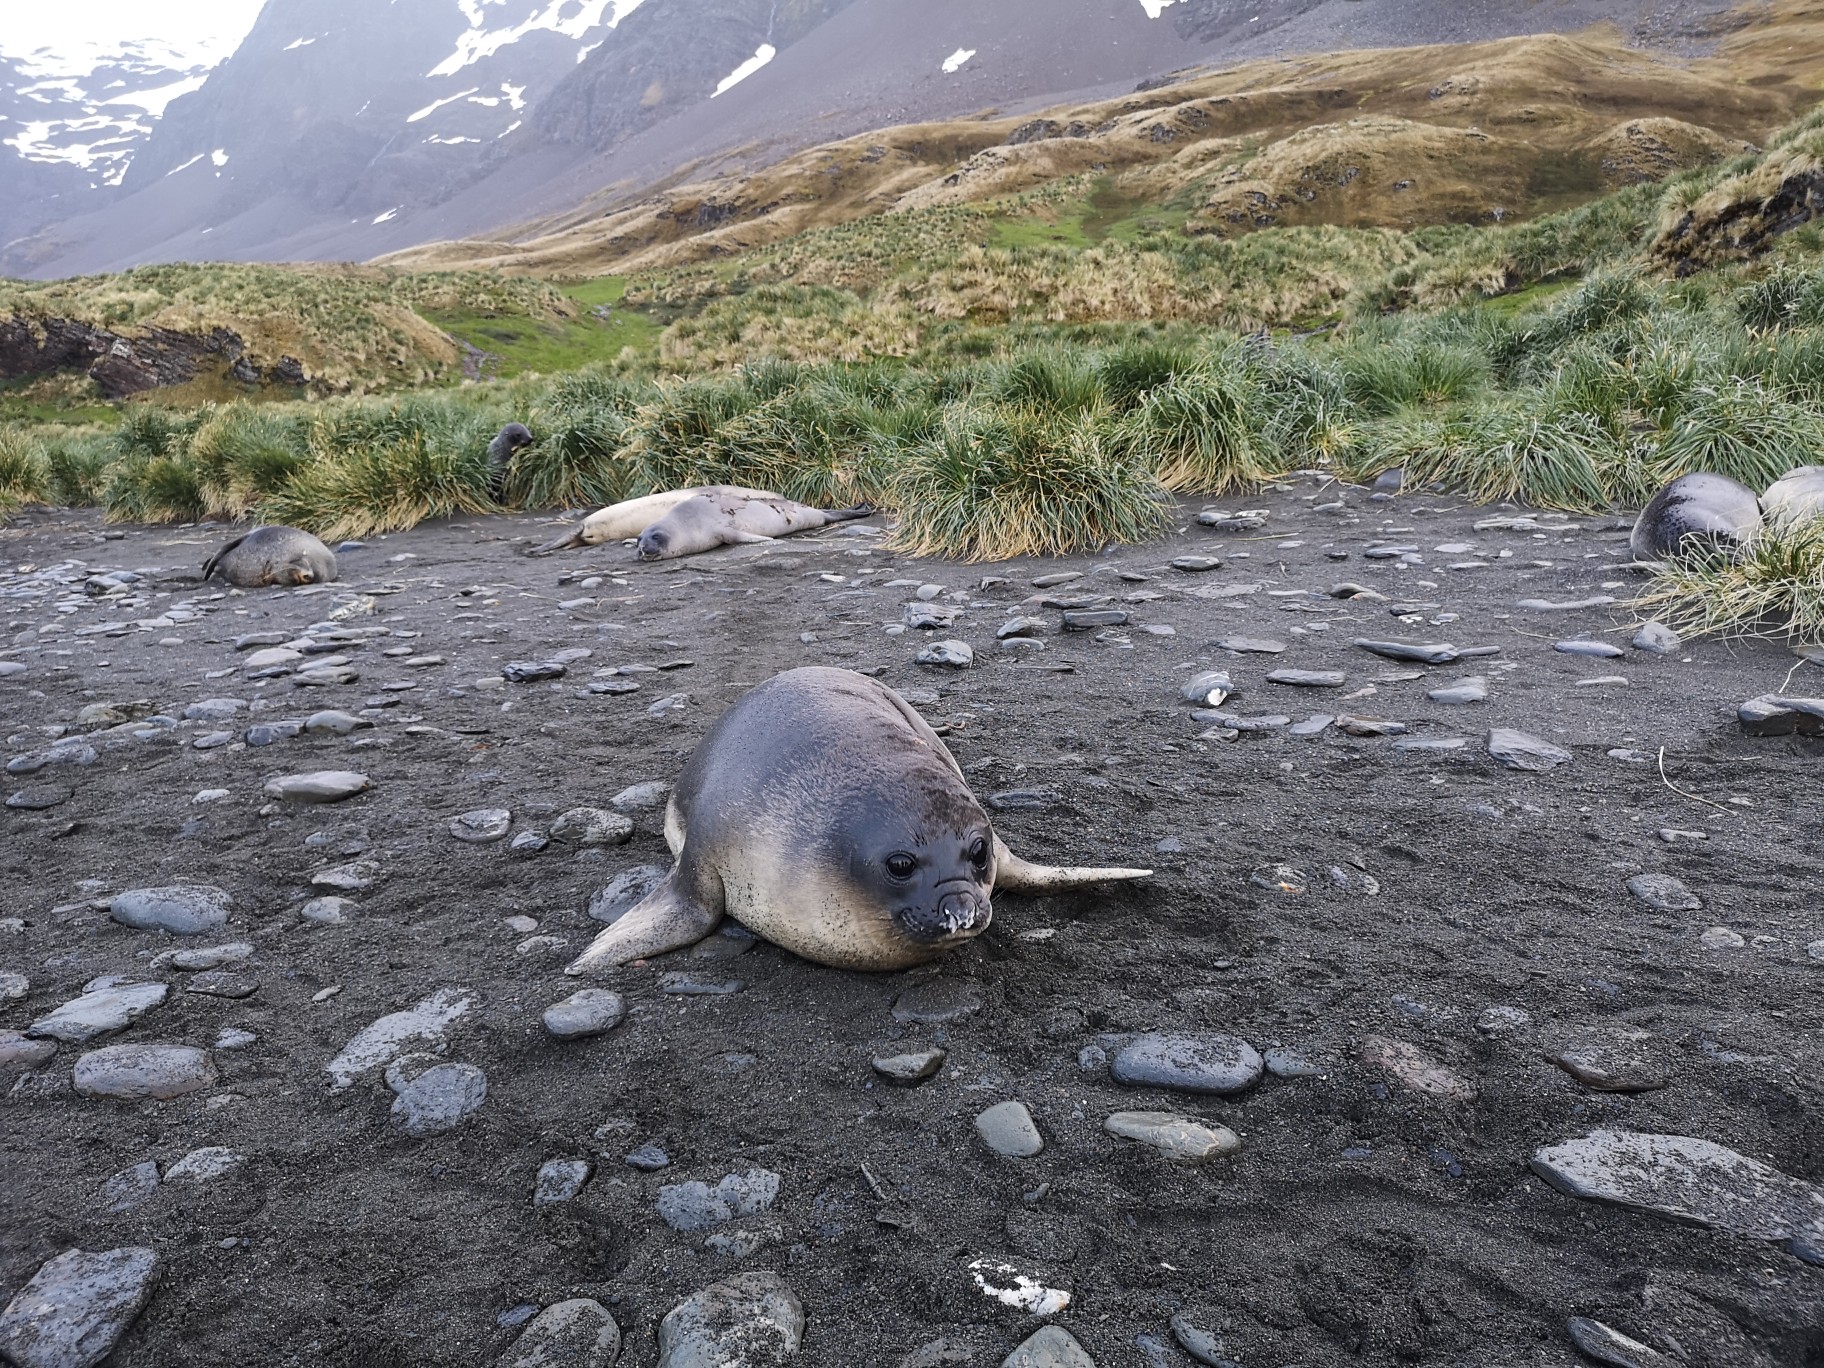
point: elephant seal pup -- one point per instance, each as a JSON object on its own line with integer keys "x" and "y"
{"x": 1795, "y": 496}
{"x": 728, "y": 518}
{"x": 507, "y": 443}
{"x": 1692, "y": 511}
{"x": 630, "y": 517}
{"x": 822, "y": 813}
{"x": 273, "y": 555}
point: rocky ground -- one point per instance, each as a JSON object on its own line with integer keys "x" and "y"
{"x": 1465, "y": 978}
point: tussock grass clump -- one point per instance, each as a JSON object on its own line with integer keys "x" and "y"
{"x": 1501, "y": 453}
{"x": 995, "y": 482}
{"x": 1198, "y": 431}
{"x": 242, "y": 454}
{"x": 25, "y": 473}
{"x": 1052, "y": 380}
{"x": 1771, "y": 585}
{"x": 672, "y": 438}
{"x": 1742, "y": 430}
{"x": 1128, "y": 371}
{"x": 1383, "y": 378}
{"x": 576, "y": 459}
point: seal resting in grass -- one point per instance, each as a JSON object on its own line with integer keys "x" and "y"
{"x": 1694, "y": 510}
{"x": 822, "y": 813}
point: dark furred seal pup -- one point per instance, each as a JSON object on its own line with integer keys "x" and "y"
{"x": 1694, "y": 511}
{"x": 273, "y": 555}
{"x": 822, "y": 813}
{"x": 511, "y": 439}
{"x": 728, "y": 518}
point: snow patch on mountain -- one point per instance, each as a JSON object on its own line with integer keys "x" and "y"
{"x": 570, "y": 18}
{"x": 954, "y": 62}
{"x": 762, "y": 55}
{"x": 1154, "y": 8}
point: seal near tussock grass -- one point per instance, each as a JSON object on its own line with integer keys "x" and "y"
{"x": 630, "y": 517}
{"x": 510, "y": 440}
{"x": 727, "y": 518}
{"x": 1694, "y": 510}
{"x": 1795, "y": 496}
{"x": 822, "y": 813}
{"x": 283, "y": 556}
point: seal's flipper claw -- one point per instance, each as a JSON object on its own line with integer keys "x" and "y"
{"x": 563, "y": 543}
{"x": 668, "y": 918}
{"x": 1014, "y": 875}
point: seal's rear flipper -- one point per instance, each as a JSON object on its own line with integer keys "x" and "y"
{"x": 668, "y": 918}
{"x": 564, "y": 542}
{"x": 210, "y": 565}
{"x": 1014, "y": 875}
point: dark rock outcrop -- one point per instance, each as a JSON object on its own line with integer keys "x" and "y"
{"x": 121, "y": 366}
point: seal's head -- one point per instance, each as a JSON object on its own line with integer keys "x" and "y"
{"x": 925, "y": 861}
{"x": 654, "y": 542}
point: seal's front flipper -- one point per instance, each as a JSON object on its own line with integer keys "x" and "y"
{"x": 736, "y": 537}
{"x": 668, "y": 918}
{"x": 563, "y": 543}
{"x": 1014, "y": 875}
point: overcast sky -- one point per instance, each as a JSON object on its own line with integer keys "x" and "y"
{"x": 200, "y": 30}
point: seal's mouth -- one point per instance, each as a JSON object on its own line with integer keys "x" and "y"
{"x": 956, "y": 915}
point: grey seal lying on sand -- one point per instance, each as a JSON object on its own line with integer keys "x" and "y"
{"x": 727, "y": 518}
{"x": 273, "y": 555}
{"x": 822, "y": 813}
{"x": 1795, "y": 496}
{"x": 630, "y": 517}
{"x": 1694, "y": 509}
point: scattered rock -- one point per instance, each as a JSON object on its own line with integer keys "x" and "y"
{"x": 202, "y": 1165}
{"x": 936, "y": 1001}
{"x": 625, "y": 890}
{"x": 1007, "y": 1128}
{"x": 559, "y": 1180}
{"x": 1426, "y": 653}
{"x": 1663, "y": 893}
{"x": 18, "y": 1051}
{"x": 439, "y": 1099}
{"x": 1596, "y": 650}
{"x": 1309, "y": 679}
{"x": 1657, "y": 638}
{"x": 1414, "y": 1070}
{"x": 909, "y": 1070}
{"x": 1608, "y": 1345}
{"x": 956, "y": 654}
{"x": 181, "y": 909}
{"x": 1686, "y": 1179}
{"x": 76, "y": 1307}
{"x": 482, "y": 826}
{"x": 1052, "y": 1346}
{"x": 1620, "y": 1065}
{"x": 130, "y": 1188}
{"x": 99, "y": 1012}
{"x": 578, "y": 1333}
{"x": 1473, "y": 689}
{"x": 1773, "y": 715}
{"x": 1516, "y": 750}
{"x": 752, "y": 1320}
{"x": 138, "y": 1072}
{"x": 589, "y": 1012}
{"x": 1182, "y": 1138}
{"x": 323, "y": 786}
{"x": 588, "y": 826}
{"x": 422, "y": 1027}
{"x": 697, "y": 1206}
{"x": 1220, "y": 1064}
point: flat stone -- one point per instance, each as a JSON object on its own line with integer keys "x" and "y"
{"x": 646, "y": 797}
{"x": 1195, "y": 565}
{"x": 13, "y": 986}
{"x": 648, "y": 1158}
{"x": 928, "y": 617}
{"x": 559, "y": 1180}
{"x": 1088, "y": 620}
{"x": 1722, "y": 938}
{"x": 20, "y": 1052}
{"x": 1200, "y": 1344}
{"x": 1220, "y": 1064}
{"x": 482, "y": 826}
{"x": 589, "y": 826}
{"x": 1415, "y": 1070}
{"x": 100, "y": 1012}
{"x": 752, "y": 1320}
{"x": 39, "y": 797}
{"x": 909, "y": 1070}
{"x": 936, "y": 1001}
{"x": 272, "y": 658}
{"x": 1020, "y": 627}
{"x": 958, "y": 655}
{"x": 1309, "y": 679}
{"x": 420, "y": 1027}
{"x": 130, "y": 1188}
{"x": 1608, "y": 1345}
{"x": 202, "y": 1165}
{"x": 1663, "y": 893}
{"x": 1181, "y": 1138}
{"x": 578, "y": 1333}
{"x": 1051, "y": 1346}
{"x": 1007, "y": 1128}
{"x": 1687, "y": 1179}
{"x": 588, "y": 1012}
{"x": 1473, "y": 689}
{"x": 1774, "y": 715}
{"x": 322, "y": 786}
{"x": 215, "y": 983}
{"x": 1536, "y": 605}
{"x": 1425, "y": 652}
{"x": 1615, "y": 1066}
{"x": 76, "y": 1307}
{"x": 439, "y": 1099}
{"x": 214, "y": 709}
{"x": 1517, "y": 750}
{"x": 689, "y": 1207}
{"x": 1596, "y": 650}
{"x": 181, "y": 909}
{"x": 204, "y": 957}
{"x": 532, "y": 671}
{"x": 1368, "y": 726}
{"x": 1242, "y": 645}
{"x": 1657, "y": 638}
{"x": 334, "y": 722}
{"x": 138, "y": 1072}
{"x": 1053, "y": 579}
{"x": 347, "y": 878}
{"x": 1315, "y": 725}
{"x": 328, "y": 911}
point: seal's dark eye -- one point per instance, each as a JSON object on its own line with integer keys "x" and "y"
{"x": 901, "y": 865}
{"x": 978, "y": 853}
